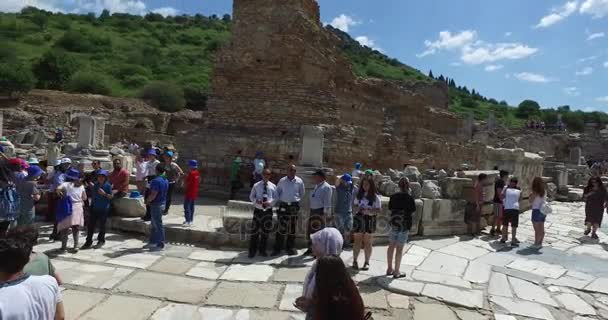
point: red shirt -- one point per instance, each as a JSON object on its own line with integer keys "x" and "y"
{"x": 193, "y": 181}
{"x": 120, "y": 180}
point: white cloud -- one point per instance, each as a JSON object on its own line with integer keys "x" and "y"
{"x": 123, "y": 6}
{"x": 606, "y": 64}
{"x": 602, "y": 99}
{"x": 366, "y": 41}
{"x": 493, "y": 67}
{"x": 585, "y": 59}
{"x": 585, "y": 71}
{"x": 166, "y": 11}
{"x": 595, "y": 8}
{"x": 532, "y": 77}
{"x": 595, "y": 36}
{"x": 508, "y": 34}
{"x": 17, "y": 5}
{"x": 485, "y": 53}
{"x": 449, "y": 41}
{"x": 558, "y": 14}
{"x": 343, "y": 22}
{"x": 572, "y": 91}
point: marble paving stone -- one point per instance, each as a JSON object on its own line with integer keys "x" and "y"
{"x": 255, "y": 273}
{"x": 503, "y": 317}
{"x": 575, "y": 304}
{"x": 77, "y": 302}
{"x": 90, "y": 275}
{"x": 559, "y": 289}
{"x": 245, "y": 294}
{"x": 567, "y": 281}
{"x": 402, "y": 286}
{"x": 291, "y": 274}
{"x": 173, "y": 265}
{"x": 598, "y": 285}
{"x": 461, "y": 297}
{"x": 244, "y": 259}
{"x": 424, "y": 311}
{"x": 123, "y": 308}
{"x": 174, "y": 288}
{"x": 538, "y": 267}
{"x": 499, "y": 285}
{"x": 412, "y": 259}
{"x": 498, "y": 259}
{"x": 435, "y": 243}
{"x": 468, "y": 315}
{"x": 373, "y": 297}
{"x": 291, "y": 293}
{"x": 441, "y": 279}
{"x": 92, "y": 255}
{"x": 175, "y": 311}
{"x": 268, "y": 315}
{"x": 444, "y": 263}
{"x": 464, "y": 250}
{"x": 478, "y": 272}
{"x": 136, "y": 260}
{"x": 398, "y": 301}
{"x": 207, "y": 270}
{"x": 522, "y": 308}
{"x": 520, "y": 274}
{"x": 214, "y": 255}
{"x": 418, "y": 251}
{"x": 579, "y": 275}
{"x": 531, "y": 292}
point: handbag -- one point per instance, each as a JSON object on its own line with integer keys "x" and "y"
{"x": 64, "y": 208}
{"x": 546, "y": 208}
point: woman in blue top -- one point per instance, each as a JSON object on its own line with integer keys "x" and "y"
{"x": 100, "y": 208}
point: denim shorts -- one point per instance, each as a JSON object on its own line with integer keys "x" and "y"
{"x": 398, "y": 236}
{"x": 538, "y": 216}
{"x": 344, "y": 221}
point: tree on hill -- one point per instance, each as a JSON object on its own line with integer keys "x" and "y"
{"x": 54, "y": 69}
{"x": 105, "y": 14}
{"x": 527, "y": 108}
{"x": 431, "y": 74}
{"x": 165, "y": 96}
{"x": 15, "y": 78}
{"x": 40, "y": 19}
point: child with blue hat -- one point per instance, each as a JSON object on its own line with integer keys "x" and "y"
{"x": 100, "y": 208}
{"x": 193, "y": 181}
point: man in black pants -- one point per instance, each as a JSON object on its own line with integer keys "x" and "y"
{"x": 263, "y": 195}
{"x": 290, "y": 191}
{"x": 320, "y": 206}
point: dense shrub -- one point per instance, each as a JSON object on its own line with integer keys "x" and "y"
{"x": 196, "y": 98}
{"x": 86, "y": 82}
{"x": 15, "y": 77}
{"x": 54, "y": 69}
{"x": 135, "y": 81}
{"x": 165, "y": 96}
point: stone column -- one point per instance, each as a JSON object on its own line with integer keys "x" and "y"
{"x": 86, "y": 132}
{"x": 311, "y": 154}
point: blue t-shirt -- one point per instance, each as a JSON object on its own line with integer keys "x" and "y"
{"x": 101, "y": 202}
{"x": 160, "y": 185}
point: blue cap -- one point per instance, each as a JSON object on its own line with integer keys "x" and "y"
{"x": 34, "y": 172}
{"x": 358, "y": 165}
{"x": 135, "y": 194}
{"x": 193, "y": 163}
{"x": 347, "y": 178}
{"x": 73, "y": 174}
{"x": 151, "y": 152}
{"x": 169, "y": 153}
{"x": 103, "y": 173}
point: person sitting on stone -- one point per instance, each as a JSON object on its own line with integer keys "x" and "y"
{"x": 119, "y": 178}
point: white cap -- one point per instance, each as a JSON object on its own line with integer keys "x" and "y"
{"x": 57, "y": 162}
{"x": 66, "y": 160}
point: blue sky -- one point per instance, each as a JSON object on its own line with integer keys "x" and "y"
{"x": 555, "y": 52}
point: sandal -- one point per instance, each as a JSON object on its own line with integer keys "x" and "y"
{"x": 365, "y": 266}
{"x": 587, "y": 232}
{"x": 389, "y": 272}
{"x": 355, "y": 266}
{"x": 399, "y": 275}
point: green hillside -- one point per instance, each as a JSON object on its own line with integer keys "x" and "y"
{"x": 169, "y": 61}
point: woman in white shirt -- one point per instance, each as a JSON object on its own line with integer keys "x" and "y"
{"x": 367, "y": 205}
{"x": 538, "y": 199}
{"x": 74, "y": 190}
{"x": 511, "y": 195}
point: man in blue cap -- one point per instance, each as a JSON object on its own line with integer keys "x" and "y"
{"x": 28, "y": 195}
{"x": 173, "y": 173}
{"x": 100, "y": 209}
{"x": 151, "y": 171}
{"x": 357, "y": 171}
{"x": 344, "y": 206}
{"x": 156, "y": 199}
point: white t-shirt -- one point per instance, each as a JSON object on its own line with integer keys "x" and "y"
{"x": 364, "y": 203}
{"x": 75, "y": 193}
{"x": 511, "y": 198}
{"x": 141, "y": 170}
{"x": 34, "y": 298}
{"x": 538, "y": 202}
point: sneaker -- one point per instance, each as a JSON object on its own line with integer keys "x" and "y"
{"x": 99, "y": 245}
{"x": 355, "y": 265}
{"x": 365, "y": 266}
{"x": 87, "y": 245}
{"x": 185, "y": 224}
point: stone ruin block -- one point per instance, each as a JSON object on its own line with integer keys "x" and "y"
{"x": 129, "y": 207}
{"x": 442, "y": 217}
{"x": 557, "y": 171}
{"x": 431, "y": 189}
{"x": 456, "y": 188}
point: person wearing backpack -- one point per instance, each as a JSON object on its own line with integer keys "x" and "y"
{"x": 538, "y": 200}
{"x": 9, "y": 198}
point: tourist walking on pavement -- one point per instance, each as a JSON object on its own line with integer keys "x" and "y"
{"x": 119, "y": 179}
{"x": 497, "y": 207}
{"x": 71, "y": 217}
{"x": 320, "y": 206}
{"x": 368, "y": 205}
{"x": 156, "y": 199}
{"x": 290, "y": 191}
{"x": 9, "y": 197}
{"x": 343, "y": 212}
{"x": 326, "y": 242}
{"x": 22, "y": 296}
{"x": 263, "y": 195}
{"x": 511, "y": 196}
{"x": 402, "y": 207}
{"x": 474, "y": 213}
{"x": 151, "y": 171}
{"x": 193, "y": 181}
{"x": 538, "y": 198}
{"x": 173, "y": 173}
{"x": 100, "y": 209}
{"x": 235, "y": 175}
{"x": 28, "y": 196}
{"x": 596, "y": 198}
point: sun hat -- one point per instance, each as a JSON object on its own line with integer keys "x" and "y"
{"x": 347, "y": 178}
{"x": 72, "y": 174}
{"x": 193, "y": 163}
{"x": 56, "y": 163}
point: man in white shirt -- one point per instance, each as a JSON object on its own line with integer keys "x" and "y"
{"x": 264, "y": 196}
{"x": 290, "y": 190}
{"x": 320, "y": 206}
{"x": 24, "y": 297}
